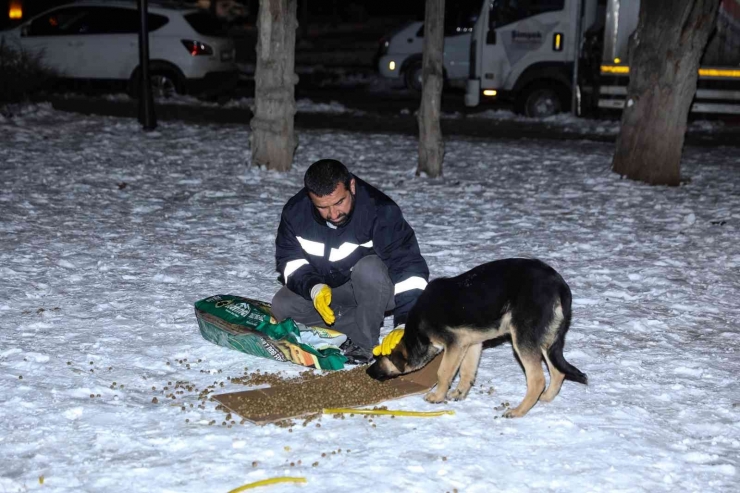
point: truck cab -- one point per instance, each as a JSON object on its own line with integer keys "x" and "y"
{"x": 526, "y": 51}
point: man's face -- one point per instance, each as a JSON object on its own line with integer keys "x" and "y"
{"x": 336, "y": 206}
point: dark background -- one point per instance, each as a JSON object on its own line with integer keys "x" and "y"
{"x": 324, "y": 11}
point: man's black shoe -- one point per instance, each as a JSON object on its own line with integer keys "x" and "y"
{"x": 355, "y": 354}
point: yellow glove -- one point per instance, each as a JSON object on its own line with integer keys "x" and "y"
{"x": 389, "y": 342}
{"x": 321, "y": 296}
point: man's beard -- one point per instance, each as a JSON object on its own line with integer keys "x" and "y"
{"x": 344, "y": 218}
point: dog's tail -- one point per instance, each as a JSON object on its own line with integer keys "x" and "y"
{"x": 555, "y": 353}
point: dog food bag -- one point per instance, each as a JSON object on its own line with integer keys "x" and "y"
{"x": 248, "y": 326}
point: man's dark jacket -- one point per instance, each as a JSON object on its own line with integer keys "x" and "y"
{"x": 309, "y": 252}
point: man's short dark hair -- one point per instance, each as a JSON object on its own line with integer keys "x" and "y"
{"x": 323, "y": 177}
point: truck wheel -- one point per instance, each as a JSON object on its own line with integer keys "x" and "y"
{"x": 540, "y": 102}
{"x": 412, "y": 76}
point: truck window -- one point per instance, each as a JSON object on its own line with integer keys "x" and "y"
{"x": 460, "y": 18}
{"x": 505, "y": 12}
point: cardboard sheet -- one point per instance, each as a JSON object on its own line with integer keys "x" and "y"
{"x": 417, "y": 382}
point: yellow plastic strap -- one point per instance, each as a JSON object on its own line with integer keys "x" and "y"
{"x": 265, "y": 482}
{"x": 387, "y": 412}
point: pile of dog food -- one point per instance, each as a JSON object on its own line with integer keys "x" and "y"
{"x": 310, "y": 394}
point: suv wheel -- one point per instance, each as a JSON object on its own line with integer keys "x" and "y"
{"x": 165, "y": 82}
{"x": 164, "y": 85}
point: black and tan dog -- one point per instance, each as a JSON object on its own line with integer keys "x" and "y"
{"x": 524, "y": 298}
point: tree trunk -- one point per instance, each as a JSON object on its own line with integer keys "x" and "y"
{"x": 665, "y": 51}
{"x": 273, "y": 138}
{"x": 431, "y": 145}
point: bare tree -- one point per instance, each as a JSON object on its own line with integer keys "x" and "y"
{"x": 273, "y": 138}
{"x": 431, "y": 144}
{"x": 665, "y": 52}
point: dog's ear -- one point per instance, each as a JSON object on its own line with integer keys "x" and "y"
{"x": 399, "y": 357}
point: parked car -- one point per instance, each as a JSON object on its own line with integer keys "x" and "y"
{"x": 98, "y": 40}
{"x": 400, "y": 52}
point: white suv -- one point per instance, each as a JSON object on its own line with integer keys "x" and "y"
{"x": 99, "y": 40}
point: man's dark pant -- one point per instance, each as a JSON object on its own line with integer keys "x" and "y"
{"x": 359, "y": 304}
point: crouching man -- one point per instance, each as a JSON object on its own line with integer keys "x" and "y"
{"x": 346, "y": 256}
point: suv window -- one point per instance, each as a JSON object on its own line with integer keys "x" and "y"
{"x": 507, "y": 11}
{"x": 114, "y": 20}
{"x": 104, "y": 20}
{"x": 92, "y": 20}
{"x": 206, "y": 24}
{"x": 58, "y": 22}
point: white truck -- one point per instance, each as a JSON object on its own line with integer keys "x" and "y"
{"x": 548, "y": 56}
{"x": 400, "y": 52}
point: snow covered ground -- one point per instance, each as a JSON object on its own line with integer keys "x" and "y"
{"x": 108, "y": 235}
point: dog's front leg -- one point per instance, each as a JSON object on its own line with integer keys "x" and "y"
{"x": 451, "y": 359}
{"x": 468, "y": 369}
